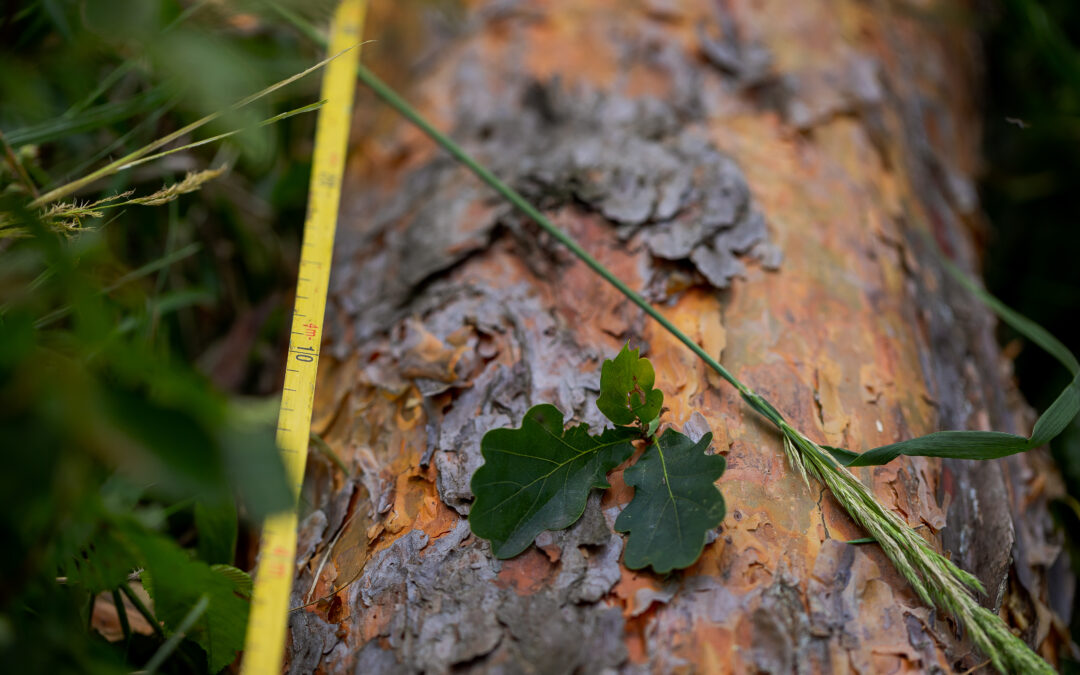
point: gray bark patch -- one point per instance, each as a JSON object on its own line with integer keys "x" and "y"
{"x": 646, "y": 165}
{"x": 448, "y": 614}
{"x": 642, "y": 165}
{"x": 589, "y": 556}
{"x": 498, "y": 395}
{"x": 540, "y": 643}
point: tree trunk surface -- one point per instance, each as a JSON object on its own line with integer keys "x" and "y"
{"x": 761, "y": 170}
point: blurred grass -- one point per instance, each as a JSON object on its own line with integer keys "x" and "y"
{"x": 1030, "y": 193}
{"x": 141, "y": 348}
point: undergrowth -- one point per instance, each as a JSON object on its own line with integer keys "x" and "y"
{"x": 149, "y": 229}
{"x": 1031, "y": 117}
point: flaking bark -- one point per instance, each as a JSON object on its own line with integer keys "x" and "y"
{"x": 760, "y": 169}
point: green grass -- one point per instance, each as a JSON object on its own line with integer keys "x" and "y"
{"x": 939, "y": 582}
{"x": 128, "y": 249}
{"x": 1032, "y": 132}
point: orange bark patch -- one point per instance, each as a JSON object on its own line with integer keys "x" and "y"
{"x": 565, "y": 43}
{"x": 835, "y": 321}
{"x": 527, "y": 573}
{"x": 629, "y": 589}
{"x": 680, "y": 374}
{"x": 716, "y": 647}
{"x": 834, "y": 419}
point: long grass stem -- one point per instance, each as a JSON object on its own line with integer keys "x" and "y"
{"x": 165, "y": 650}
{"x": 936, "y": 579}
{"x": 521, "y": 204}
{"x": 141, "y": 607}
{"x": 116, "y": 165}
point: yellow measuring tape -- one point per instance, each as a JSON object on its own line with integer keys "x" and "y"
{"x": 264, "y": 645}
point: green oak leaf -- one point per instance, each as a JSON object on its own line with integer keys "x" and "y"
{"x": 626, "y": 389}
{"x": 538, "y": 477}
{"x": 675, "y": 503}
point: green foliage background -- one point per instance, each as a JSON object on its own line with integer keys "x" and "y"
{"x": 1029, "y": 191}
{"x": 140, "y": 353}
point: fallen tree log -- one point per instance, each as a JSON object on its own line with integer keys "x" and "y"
{"x": 760, "y": 170}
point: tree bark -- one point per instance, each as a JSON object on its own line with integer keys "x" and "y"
{"x": 761, "y": 170}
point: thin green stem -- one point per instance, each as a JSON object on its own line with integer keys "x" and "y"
{"x": 166, "y": 650}
{"x": 114, "y": 76}
{"x": 143, "y": 609}
{"x": 114, "y": 166}
{"x": 310, "y": 32}
{"x": 391, "y": 98}
{"x": 521, "y": 204}
{"x": 938, "y": 581}
{"x": 106, "y": 82}
{"x": 121, "y": 614}
{"x": 149, "y": 268}
{"x": 17, "y": 167}
{"x": 213, "y": 139}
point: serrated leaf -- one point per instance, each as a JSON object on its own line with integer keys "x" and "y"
{"x": 538, "y": 477}
{"x": 675, "y": 503}
{"x": 102, "y": 564}
{"x": 240, "y": 579}
{"x": 177, "y": 581}
{"x": 626, "y": 389}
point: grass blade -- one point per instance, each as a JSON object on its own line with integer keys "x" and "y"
{"x": 92, "y": 118}
{"x": 935, "y": 578}
{"x": 147, "y": 269}
{"x": 938, "y": 581}
{"x": 987, "y": 444}
{"x": 166, "y": 650}
{"x": 276, "y": 118}
{"x": 113, "y": 167}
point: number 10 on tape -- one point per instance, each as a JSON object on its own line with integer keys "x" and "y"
{"x": 264, "y": 645}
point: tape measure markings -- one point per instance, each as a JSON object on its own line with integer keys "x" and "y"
{"x": 265, "y": 640}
